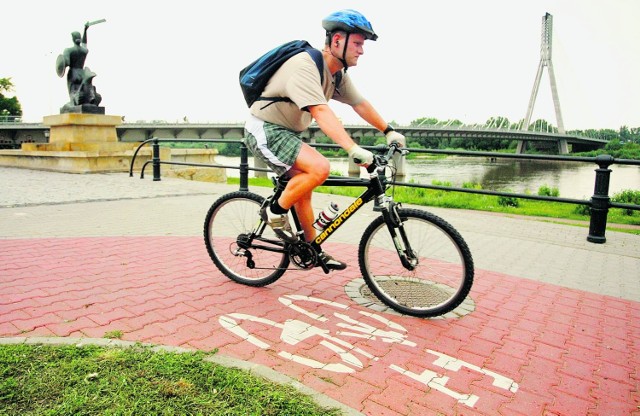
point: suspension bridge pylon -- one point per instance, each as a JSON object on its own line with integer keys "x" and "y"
{"x": 545, "y": 61}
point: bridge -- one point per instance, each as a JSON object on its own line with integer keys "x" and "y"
{"x": 12, "y": 135}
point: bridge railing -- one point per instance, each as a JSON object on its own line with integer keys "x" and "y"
{"x": 599, "y": 204}
{"x": 10, "y": 119}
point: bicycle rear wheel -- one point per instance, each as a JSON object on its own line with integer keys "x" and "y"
{"x": 236, "y": 247}
{"x": 440, "y": 275}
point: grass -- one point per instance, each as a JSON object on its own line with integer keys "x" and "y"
{"x": 490, "y": 203}
{"x": 89, "y": 380}
{"x": 117, "y": 334}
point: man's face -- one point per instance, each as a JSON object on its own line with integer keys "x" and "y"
{"x": 355, "y": 48}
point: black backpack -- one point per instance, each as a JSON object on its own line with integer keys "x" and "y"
{"x": 254, "y": 77}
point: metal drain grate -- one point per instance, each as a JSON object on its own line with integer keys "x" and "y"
{"x": 412, "y": 293}
{"x": 358, "y": 291}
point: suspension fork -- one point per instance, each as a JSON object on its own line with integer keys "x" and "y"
{"x": 399, "y": 236}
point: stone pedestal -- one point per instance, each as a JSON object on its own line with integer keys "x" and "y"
{"x": 82, "y": 128}
{"x": 78, "y": 143}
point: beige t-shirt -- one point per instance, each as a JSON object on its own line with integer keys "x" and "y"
{"x": 298, "y": 79}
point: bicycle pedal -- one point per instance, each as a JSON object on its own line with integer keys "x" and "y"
{"x": 324, "y": 266}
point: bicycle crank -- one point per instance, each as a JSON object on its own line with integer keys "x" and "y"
{"x": 302, "y": 255}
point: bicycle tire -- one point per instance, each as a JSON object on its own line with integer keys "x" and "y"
{"x": 230, "y": 216}
{"x": 442, "y": 278}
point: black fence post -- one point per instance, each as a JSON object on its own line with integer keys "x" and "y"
{"x": 600, "y": 200}
{"x": 244, "y": 167}
{"x": 156, "y": 160}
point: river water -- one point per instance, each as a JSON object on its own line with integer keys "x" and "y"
{"x": 573, "y": 179}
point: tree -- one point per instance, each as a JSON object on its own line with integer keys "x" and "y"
{"x": 6, "y": 85}
{"x": 630, "y": 135}
{"x": 10, "y": 108}
{"x": 608, "y": 134}
{"x": 613, "y": 145}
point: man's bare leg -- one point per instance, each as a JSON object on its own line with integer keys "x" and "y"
{"x": 309, "y": 171}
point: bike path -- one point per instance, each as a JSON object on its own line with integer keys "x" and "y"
{"x": 527, "y": 342}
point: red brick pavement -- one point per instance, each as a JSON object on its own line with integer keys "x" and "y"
{"x": 528, "y": 348}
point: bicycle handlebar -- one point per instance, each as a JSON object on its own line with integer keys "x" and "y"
{"x": 381, "y": 160}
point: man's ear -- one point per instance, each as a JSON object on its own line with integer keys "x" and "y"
{"x": 337, "y": 37}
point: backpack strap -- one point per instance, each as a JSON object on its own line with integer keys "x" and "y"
{"x": 316, "y": 55}
{"x": 338, "y": 78}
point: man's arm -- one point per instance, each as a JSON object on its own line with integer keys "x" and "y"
{"x": 330, "y": 125}
{"x": 369, "y": 114}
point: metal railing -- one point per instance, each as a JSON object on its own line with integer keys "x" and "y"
{"x": 6, "y": 118}
{"x": 599, "y": 204}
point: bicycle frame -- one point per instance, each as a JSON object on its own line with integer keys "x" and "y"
{"x": 375, "y": 188}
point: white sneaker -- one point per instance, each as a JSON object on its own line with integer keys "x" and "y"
{"x": 279, "y": 223}
{"x": 330, "y": 262}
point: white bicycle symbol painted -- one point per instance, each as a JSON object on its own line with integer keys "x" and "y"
{"x": 295, "y": 331}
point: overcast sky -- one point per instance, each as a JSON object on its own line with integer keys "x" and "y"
{"x": 457, "y": 59}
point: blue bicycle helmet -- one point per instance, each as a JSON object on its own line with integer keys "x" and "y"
{"x": 349, "y": 21}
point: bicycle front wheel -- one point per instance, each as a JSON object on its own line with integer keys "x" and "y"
{"x": 437, "y": 273}
{"x": 244, "y": 250}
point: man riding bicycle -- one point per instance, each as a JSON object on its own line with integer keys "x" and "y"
{"x": 273, "y": 131}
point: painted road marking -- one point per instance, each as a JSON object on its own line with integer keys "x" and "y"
{"x": 296, "y": 331}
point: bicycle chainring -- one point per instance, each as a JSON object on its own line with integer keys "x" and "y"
{"x": 302, "y": 255}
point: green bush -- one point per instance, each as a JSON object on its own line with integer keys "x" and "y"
{"x": 582, "y": 210}
{"x": 508, "y": 201}
{"x": 544, "y": 190}
{"x": 627, "y": 196}
{"x": 627, "y": 151}
{"x": 471, "y": 185}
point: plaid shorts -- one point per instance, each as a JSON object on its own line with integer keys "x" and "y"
{"x": 277, "y": 146}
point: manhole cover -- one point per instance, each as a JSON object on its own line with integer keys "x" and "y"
{"x": 359, "y": 292}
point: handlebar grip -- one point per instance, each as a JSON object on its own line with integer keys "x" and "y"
{"x": 370, "y": 168}
{"x": 381, "y": 160}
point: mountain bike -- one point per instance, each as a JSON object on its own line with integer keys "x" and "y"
{"x": 413, "y": 261}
